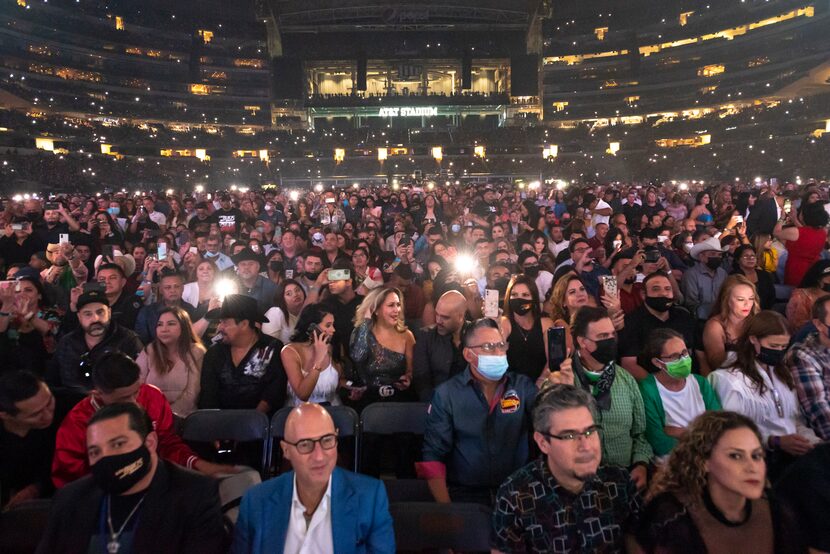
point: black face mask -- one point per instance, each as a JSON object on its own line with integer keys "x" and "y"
{"x": 606, "y": 350}
{"x": 312, "y": 276}
{"x": 520, "y": 306}
{"x": 771, "y": 356}
{"x": 659, "y": 303}
{"x": 630, "y": 281}
{"x": 826, "y": 288}
{"x": 532, "y": 270}
{"x": 714, "y": 263}
{"x": 118, "y": 474}
{"x": 276, "y": 266}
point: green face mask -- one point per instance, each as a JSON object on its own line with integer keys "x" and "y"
{"x": 679, "y": 369}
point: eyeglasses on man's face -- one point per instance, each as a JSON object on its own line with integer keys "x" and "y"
{"x": 491, "y": 346}
{"x": 574, "y": 435}
{"x": 306, "y": 446}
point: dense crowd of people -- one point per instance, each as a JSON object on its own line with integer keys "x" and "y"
{"x": 608, "y": 367}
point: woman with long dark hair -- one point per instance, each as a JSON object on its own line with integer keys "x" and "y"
{"x": 526, "y": 329}
{"x": 313, "y": 375}
{"x": 759, "y": 386}
{"x": 173, "y": 361}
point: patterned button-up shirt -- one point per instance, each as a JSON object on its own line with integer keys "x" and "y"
{"x": 533, "y": 513}
{"x": 809, "y": 363}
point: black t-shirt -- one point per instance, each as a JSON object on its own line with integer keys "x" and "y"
{"x": 229, "y": 221}
{"x": 27, "y": 460}
{"x": 640, "y": 323}
{"x": 343, "y": 322}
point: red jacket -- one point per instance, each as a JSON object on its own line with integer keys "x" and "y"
{"x": 71, "y": 462}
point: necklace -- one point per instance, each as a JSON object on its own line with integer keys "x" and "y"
{"x": 113, "y": 545}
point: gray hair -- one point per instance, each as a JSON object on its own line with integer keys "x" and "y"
{"x": 556, "y": 398}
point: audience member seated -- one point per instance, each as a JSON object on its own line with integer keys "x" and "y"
{"x": 116, "y": 379}
{"x": 381, "y": 347}
{"x": 251, "y": 283}
{"x": 317, "y": 507}
{"x": 308, "y": 361}
{"x": 759, "y": 386}
{"x": 672, "y": 396}
{"x": 596, "y": 506}
{"x": 171, "y": 286}
{"x": 526, "y": 329}
{"x": 28, "y": 423}
{"x": 282, "y": 317}
{"x": 134, "y": 501}
{"x": 342, "y": 302}
{"x": 243, "y": 370}
{"x": 28, "y": 324}
{"x": 619, "y": 404}
{"x": 814, "y": 284}
{"x": 77, "y": 352}
{"x": 438, "y": 353}
{"x": 736, "y": 301}
{"x": 701, "y": 282}
{"x": 809, "y": 364}
{"x": 478, "y": 422}
{"x": 659, "y": 311}
{"x": 746, "y": 264}
{"x": 173, "y": 361}
{"x": 710, "y": 495}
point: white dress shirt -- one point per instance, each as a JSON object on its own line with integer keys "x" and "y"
{"x": 738, "y": 394}
{"x": 314, "y": 538}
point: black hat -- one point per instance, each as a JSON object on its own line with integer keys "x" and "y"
{"x": 238, "y": 306}
{"x": 91, "y": 297}
{"x": 245, "y": 255}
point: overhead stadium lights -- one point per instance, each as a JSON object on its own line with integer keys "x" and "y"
{"x": 551, "y": 151}
{"x": 339, "y": 155}
{"x": 383, "y": 153}
{"x": 613, "y": 148}
{"x": 479, "y": 151}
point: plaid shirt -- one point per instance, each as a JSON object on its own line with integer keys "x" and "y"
{"x": 533, "y": 513}
{"x": 809, "y": 362}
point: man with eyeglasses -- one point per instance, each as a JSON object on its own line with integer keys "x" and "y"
{"x": 619, "y": 405}
{"x": 565, "y": 501}
{"x": 317, "y": 507}
{"x": 478, "y": 422}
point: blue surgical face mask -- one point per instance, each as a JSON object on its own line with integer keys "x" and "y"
{"x": 113, "y": 211}
{"x": 492, "y": 367}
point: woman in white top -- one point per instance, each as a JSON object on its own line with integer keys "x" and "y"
{"x": 200, "y": 291}
{"x": 282, "y": 317}
{"x": 760, "y": 387}
{"x": 173, "y": 361}
{"x": 312, "y": 375}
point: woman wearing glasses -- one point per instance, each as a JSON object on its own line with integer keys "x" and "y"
{"x": 672, "y": 396}
{"x": 760, "y": 387}
{"x": 746, "y": 264}
{"x": 710, "y": 497}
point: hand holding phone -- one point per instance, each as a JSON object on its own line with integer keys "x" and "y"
{"x": 557, "y": 348}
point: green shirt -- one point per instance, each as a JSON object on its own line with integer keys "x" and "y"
{"x": 656, "y": 417}
{"x": 624, "y": 424}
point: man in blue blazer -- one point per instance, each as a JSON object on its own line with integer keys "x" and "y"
{"x": 317, "y": 508}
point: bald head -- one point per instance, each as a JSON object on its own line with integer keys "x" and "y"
{"x": 449, "y": 312}
{"x": 308, "y": 421}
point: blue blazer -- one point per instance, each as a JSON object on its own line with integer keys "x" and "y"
{"x": 360, "y": 518}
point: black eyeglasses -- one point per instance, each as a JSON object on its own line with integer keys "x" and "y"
{"x": 306, "y": 446}
{"x": 574, "y": 435}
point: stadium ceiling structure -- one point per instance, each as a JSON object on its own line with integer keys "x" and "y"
{"x": 375, "y": 15}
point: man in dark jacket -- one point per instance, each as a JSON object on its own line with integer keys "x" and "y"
{"x": 133, "y": 501}
{"x": 71, "y": 366}
{"x": 437, "y": 355}
{"x": 244, "y": 370}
